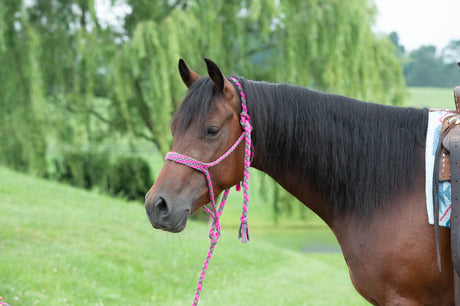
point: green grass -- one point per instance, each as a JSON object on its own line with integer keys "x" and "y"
{"x": 431, "y": 97}
{"x": 64, "y": 246}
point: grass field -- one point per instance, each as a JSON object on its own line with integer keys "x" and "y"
{"x": 64, "y": 246}
{"x": 431, "y": 97}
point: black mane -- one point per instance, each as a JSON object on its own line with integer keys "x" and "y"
{"x": 357, "y": 154}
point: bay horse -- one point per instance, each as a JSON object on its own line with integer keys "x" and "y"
{"x": 358, "y": 165}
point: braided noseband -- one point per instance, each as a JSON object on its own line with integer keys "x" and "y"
{"x": 215, "y": 212}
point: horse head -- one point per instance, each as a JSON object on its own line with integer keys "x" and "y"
{"x": 204, "y": 127}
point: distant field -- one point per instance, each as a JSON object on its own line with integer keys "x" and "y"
{"x": 64, "y": 246}
{"x": 431, "y": 97}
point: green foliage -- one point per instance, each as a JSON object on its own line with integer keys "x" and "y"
{"x": 84, "y": 170}
{"x": 399, "y": 48}
{"x": 330, "y": 46}
{"x": 128, "y": 177}
{"x": 338, "y": 52}
{"x": 68, "y": 60}
{"x": 73, "y": 170}
{"x": 66, "y": 80}
{"x": 21, "y": 93}
{"x": 425, "y": 67}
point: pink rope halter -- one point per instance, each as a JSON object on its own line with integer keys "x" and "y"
{"x": 215, "y": 212}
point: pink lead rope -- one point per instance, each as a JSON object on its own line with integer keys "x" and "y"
{"x": 215, "y": 212}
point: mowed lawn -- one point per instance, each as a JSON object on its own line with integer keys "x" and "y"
{"x": 64, "y": 246}
{"x": 429, "y": 97}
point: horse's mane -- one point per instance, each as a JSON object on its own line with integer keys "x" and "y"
{"x": 357, "y": 154}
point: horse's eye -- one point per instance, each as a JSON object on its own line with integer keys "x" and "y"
{"x": 212, "y": 131}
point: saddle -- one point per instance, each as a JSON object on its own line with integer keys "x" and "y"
{"x": 447, "y": 168}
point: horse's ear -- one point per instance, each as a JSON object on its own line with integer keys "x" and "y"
{"x": 221, "y": 82}
{"x": 216, "y": 76}
{"x": 187, "y": 75}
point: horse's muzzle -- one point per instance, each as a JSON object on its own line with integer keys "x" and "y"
{"x": 163, "y": 215}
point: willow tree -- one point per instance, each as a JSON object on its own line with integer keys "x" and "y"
{"x": 75, "y": 52}
{"x": 21, "y": 92}
{"x": 147, "y": 85}
{"x": 327, "y": 45}
{"x": 330, "y": 46}
{"x": 53, "y": 57}
{"x": 65, "y": 78}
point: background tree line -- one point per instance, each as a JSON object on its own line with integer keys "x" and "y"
{"x": 427, "y": 66}
{"x": 70, "y": 80}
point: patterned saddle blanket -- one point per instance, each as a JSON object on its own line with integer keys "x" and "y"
{"x": 435, "y": 120}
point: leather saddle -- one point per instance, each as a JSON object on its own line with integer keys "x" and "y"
{"x": 447, "y": 168}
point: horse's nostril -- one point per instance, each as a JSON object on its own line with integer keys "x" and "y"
{"x": 162, "y": 206}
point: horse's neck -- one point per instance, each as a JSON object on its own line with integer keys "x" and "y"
{"x": 299, "y": 186}
{"x": 290, "y": 178}
{"x": 318, "y": 146}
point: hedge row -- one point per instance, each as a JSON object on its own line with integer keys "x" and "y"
{"x": 128, "y": 177}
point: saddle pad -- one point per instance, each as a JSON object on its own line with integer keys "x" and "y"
{"x": 435, "y": 118}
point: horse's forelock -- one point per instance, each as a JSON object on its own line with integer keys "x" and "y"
{"x": 197, "y": 105}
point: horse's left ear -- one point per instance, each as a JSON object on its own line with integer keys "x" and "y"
{"x": 217, "y": 77}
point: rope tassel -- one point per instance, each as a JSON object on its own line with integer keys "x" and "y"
{"x": 243, "y": 233}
